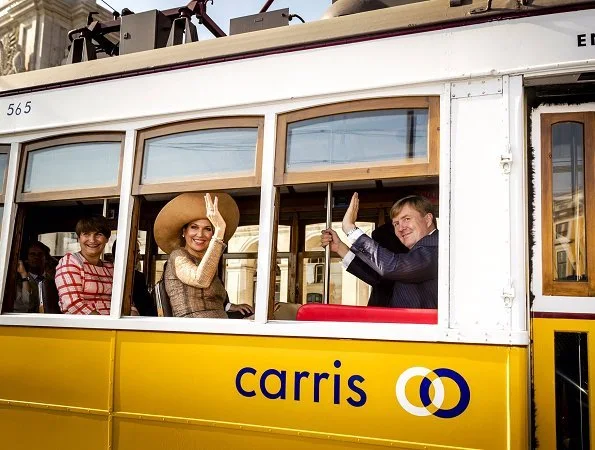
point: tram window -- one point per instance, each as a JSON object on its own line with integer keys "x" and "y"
{"x": 359, "y": 140}
{"x": 4, "y": 151}
{"x": 303, "y": 206}
{"x": 193, "y": 156}
{"x": 568, "y": 259}
{"x": 571, "y": 362}
{"x": 237, "y": 266}
{"x": 208, "y": 155}
{"x": 87, "y": 164}
{"x": 379, "y": 148}
{"x": 62, "y": 180}
{"x": 47, "y": 235}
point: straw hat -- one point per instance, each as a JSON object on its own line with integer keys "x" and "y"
{"x": 186, "y": 208}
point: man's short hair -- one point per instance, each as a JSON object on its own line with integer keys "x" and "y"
{"x": 421, "y": 204}
{"x": 93, "y": 224}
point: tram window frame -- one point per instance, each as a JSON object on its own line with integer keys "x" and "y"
{"x": 82, "y": 193}
{"x": 4, "y": 150}
{"x": 550, "y": 285}
{"x": 355, "y": 172}
{"x": 206, "y": 184}
{"x": 74, "y": 194}
{"x": 232, "y": 182}
{"x": 363, "y": 170}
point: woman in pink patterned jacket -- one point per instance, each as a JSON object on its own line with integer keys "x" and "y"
{"x": 83, "y": 279}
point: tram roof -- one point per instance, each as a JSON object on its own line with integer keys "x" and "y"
{"x": 405, "y": 19}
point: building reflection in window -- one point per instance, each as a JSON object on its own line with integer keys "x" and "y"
{"x": 568, "y": 181}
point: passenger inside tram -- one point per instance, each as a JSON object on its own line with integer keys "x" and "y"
{"x": 415, "y": 273}
{"x": 193, "y": 229}
{"x": 83, "y": 278}
{"x": 35, "y": 280}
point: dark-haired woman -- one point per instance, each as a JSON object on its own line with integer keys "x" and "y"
{"x": 83, "y": 279}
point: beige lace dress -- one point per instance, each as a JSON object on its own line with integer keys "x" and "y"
{"x": 194, "y": 289}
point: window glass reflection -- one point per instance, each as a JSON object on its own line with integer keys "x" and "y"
{"x": 568, "y": 180}
{"x": 3, "y": 164}
{"x": 196, "y": 154}
{"x": 357, "y": 137}
{"x": 73, "y": 166}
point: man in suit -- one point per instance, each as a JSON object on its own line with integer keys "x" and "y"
{"x": 415, "y": 274}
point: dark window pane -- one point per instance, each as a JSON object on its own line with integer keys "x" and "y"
{"x": 568, "y": 181}
{"x": 572, "y": 391}
{"x": 358, "y": 137}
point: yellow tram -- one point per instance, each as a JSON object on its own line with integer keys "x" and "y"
{"x": 488, "y": 111}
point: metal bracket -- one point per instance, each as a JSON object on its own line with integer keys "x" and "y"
{"x": 506, "y": 162}
{"x": 508, "y": 296}
{"x": 476, "y": 88}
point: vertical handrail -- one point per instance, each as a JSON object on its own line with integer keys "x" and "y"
{"x": 104, "y": 215}
{"x": 327, "y": 250}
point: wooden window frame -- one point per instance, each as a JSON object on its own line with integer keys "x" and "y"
{"x": 551, "y": 286}
{"x": 83, "y": 193}
{"x": 4, "y": 150}
{"x": 204, "y": 184}
{"x": 367, "y": 170}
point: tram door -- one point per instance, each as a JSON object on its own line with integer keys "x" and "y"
{"x": 563, "y": 307}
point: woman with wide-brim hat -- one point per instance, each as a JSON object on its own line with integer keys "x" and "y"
{"x": 193, "y": 229}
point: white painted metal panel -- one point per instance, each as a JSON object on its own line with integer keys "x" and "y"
{"x": 480, "y": 233}
{"x": 549, "y": 44}
{"x": 519, "y": 227}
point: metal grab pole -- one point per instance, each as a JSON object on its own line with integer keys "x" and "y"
{"x": 104, "y": 215}
{"x": 327, "y": 250}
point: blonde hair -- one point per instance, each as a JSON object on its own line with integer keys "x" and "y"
{"x": 421, "y": 204}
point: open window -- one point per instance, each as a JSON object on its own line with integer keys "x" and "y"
{"x": 384, "y": 149}
{"x": 61, "y": 180}
{"x": 208, "y": 155}
{"x": 568, "y": 203}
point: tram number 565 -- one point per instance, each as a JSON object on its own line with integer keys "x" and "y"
{"x": 17, "y": 109}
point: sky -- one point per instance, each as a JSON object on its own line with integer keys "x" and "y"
{"x": 223, "y": 10}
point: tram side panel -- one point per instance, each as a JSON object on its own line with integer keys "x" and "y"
{"x": 280, "y": 391}
{"x": 55, "y": 388}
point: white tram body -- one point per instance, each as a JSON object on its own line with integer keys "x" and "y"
{"x": 169, "y": 382}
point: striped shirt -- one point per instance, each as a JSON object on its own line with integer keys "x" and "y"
{"x": 84, "y": 288}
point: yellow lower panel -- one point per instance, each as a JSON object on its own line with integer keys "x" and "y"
{"x": 57, "y": 366}
{"x": 152, "y": 435}
{"x": 33, "y": 429}
{"x": 253, "y": 380}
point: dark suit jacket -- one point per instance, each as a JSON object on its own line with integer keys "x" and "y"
{"x": 415, "y": 274}
{"x": 382, "y": 289}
